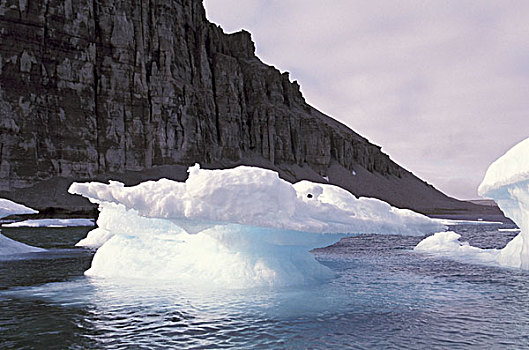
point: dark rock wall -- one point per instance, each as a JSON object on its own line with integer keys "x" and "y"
{"x": 96, "y": 86}
{"x": 133, "y": 89}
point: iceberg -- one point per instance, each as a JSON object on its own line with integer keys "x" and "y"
{"x": 7, "y": 245}
{"x": 507, "y": 182}
{"x": 237, "y": 227}
{"x": 447, "y": 244}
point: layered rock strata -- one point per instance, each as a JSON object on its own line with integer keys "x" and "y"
{"x": 99, "y": 87}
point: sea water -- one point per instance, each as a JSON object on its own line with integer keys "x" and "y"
{"x": 384, "y": 295}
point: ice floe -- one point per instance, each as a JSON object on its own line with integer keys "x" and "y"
{"x": 52, "y": 223}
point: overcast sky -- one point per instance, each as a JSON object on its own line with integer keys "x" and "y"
{"x": 442, "y": 86}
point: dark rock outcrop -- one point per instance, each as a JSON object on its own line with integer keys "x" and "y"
{"x": 92, "y": 89}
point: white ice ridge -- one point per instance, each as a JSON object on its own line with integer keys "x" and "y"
{"x": 510, "y": 169}
{"x": 8, "y": 207}
{"x": 507, "y": 182}
{"x": 241, "y": 227}
{"x": 7, "y": 245}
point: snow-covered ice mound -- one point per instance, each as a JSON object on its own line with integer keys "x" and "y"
{"x": 7, "y": 245}
{"x": 237, "y": 227}
{"x": 507, "y": 182}
{"x": 447, "y": 244}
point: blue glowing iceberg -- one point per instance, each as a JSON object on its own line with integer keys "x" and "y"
{"x": 237, "y": 227}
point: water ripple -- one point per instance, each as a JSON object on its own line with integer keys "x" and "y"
{"x": 384, "y": 296}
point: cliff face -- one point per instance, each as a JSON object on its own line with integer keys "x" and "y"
{"x": 110, "y": 87}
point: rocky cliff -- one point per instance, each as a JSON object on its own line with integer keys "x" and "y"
{"x": 98, "y": 88}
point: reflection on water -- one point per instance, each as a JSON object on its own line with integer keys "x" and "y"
{"x": 384, "y": 296}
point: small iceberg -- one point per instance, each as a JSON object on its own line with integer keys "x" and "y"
{"x": 8, "y": 246}
{"x": 507, "y": 182}
{"x": 233, "y": 228}
{"x": 447, "y": 244}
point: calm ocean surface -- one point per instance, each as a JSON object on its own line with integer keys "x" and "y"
{"x": 384, "y": 296}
